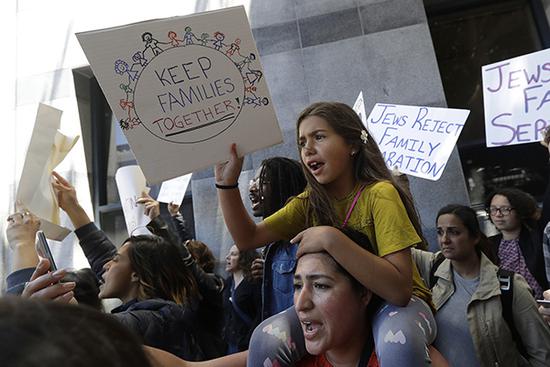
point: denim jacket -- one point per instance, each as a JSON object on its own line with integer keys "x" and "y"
{"x": 277, "y": 287}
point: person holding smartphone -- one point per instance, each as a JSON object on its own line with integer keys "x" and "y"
{"x": 30, "y": 276}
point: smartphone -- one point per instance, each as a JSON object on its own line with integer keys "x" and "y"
{"x": 43, "y": 249}
{"x": 544, "y": 303}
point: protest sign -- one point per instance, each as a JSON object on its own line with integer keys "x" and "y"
{"x": 359, "y": 108}
{"x": 516, "y": 98}
{"x": 417, "y": 141}
{"x": 130, "y": 182}
{"x": 47, "y": 148}
{"x": 184, "y": 88}
{"x": 173, "y": 191}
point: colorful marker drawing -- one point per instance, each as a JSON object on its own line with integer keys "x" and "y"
{"x": 151, "y": 44}
{"x": 204, "y": 39}
{"x": 246, "y": 65}
{"x": 121, "y": 68}
{"x": 234, "y": 47}
{"x": 174, "y": 41}
{"x": 218, "y": 40}
{"x": 189, "y": 36}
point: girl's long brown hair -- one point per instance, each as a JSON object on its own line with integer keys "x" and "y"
{"x": 368, "y": 163}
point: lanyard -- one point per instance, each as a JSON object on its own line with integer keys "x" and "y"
{"x": 353, "y": 203}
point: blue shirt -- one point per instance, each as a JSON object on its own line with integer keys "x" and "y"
{"x": 278, "y": 280}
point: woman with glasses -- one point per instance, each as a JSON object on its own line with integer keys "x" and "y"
{"x": 518, "y": 246}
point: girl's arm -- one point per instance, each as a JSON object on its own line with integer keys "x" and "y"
{"x": 246, "y": 234}
{"x": 390, "y": 277}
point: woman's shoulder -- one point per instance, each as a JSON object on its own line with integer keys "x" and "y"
{"x": 522, "y": 290}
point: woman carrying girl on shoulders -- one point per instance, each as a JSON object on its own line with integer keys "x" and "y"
{"x": 349, "y": 185}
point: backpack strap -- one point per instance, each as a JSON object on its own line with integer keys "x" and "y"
{"x": 438, "y": 260}
{"x": 506, "y": 280}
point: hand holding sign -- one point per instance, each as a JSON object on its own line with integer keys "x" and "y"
{"x": 151, "y": 207}
{"x": 228, "y": 173}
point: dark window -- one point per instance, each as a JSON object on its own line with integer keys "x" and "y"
{"x": 466, "y": 36}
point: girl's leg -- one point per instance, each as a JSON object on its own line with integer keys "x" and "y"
{"x": 402, "y": 334}
{"x": 277, "y": 342}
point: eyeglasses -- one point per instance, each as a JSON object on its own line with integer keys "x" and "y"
{"x": 503, "y": 210}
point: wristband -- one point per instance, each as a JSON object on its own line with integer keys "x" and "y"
{"x": 227, "y": 187}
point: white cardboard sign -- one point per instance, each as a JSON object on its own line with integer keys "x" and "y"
{"x": 47, "y": 148}
{"x": 516, "y": 98}
{"x": 184, "y": 88}
{"x": 173, "y": 191}
{"x": 359, "y": 108}
{"x": 417, "y": 141}
{"x": 130, "y": 182}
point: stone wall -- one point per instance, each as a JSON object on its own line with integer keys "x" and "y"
{"x": 314, "y": 50}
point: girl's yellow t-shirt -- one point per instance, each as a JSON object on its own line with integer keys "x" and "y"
{"x": 379, "y": 213}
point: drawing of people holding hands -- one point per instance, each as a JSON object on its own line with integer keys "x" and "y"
{"x": 151, "y": 43}
{"x": 204, "y": 39}
{"x": 218, "y": 43}
{"x": 188, "y": 36}
{"x": 235, "y": 47}
{"x": 174, "y": 41}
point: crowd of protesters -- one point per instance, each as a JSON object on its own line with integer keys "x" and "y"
{"x": 343, "y": 277}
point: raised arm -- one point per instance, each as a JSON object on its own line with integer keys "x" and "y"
{"x": 179, "y": 222}
{"x": 246, "y": 234}
{"x": 94, "y": 242}
{"x": 21, "y": 235}
{"x": 67, "y": 200}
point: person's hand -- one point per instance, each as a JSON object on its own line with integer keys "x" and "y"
{"x": 46, "y": 285}
{"x": 66, "y": 193}
{"x": 152, "y": 207}
{"x": 316, "y": 239}
{"x": 22, "y": 228}
{"x": 173, "y": 209}
{"x": 257, "y": 269}
{"x": 228, "y": 173}
{"x": 544, "y": 311}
